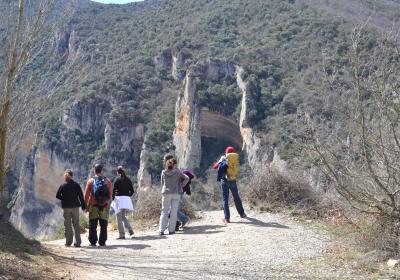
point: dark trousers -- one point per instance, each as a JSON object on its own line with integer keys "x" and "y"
{"x": 98, "y": 214}
{"x": 93, "y": 231}
{"x": 225, "y": 187}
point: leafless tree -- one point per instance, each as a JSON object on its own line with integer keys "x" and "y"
{"x": 27, "y": 33}
{"x": 358, "y": 147}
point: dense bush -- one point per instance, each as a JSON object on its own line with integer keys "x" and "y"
{"x": 271, "y": 187}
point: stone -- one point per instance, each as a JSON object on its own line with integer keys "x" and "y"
{"x": 393, "y": 263}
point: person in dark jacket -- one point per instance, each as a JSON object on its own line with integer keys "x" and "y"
{"x": 71, "y": 197}
{"x": 123, "y": 190}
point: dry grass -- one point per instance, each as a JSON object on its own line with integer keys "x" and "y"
{"x": 21, "y": 258}
{"x": 270, "y": 190}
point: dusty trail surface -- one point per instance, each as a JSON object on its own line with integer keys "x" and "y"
{"x": 259, "y": 247}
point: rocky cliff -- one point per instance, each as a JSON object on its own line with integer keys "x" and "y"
{"x": 193, "y": 122}
{"x": 85, "y": 134}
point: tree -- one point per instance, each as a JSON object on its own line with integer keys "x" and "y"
{"x": 359, "y": 146}
{"x": 26, "y": 35}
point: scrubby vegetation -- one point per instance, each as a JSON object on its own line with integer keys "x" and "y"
{"x": 21, "y": 258}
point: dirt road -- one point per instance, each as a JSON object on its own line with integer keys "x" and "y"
{"x": 259, "y": 247}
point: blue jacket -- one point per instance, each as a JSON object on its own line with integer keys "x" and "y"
{"x": 222, "y": 168}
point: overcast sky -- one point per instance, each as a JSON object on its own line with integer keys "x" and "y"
{"x": 116, "y": 1}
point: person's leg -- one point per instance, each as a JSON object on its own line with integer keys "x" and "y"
{"x": 120, "y": 224}
{"x": 126, "y": 221}
{"x": 236, "y": 198}
{"x": 182, "y": 217}
{"x": 77, "y": 227}
{"x": 103, "y": 219}
{"x": 165, "y": 208}
{"x": 93, "y": 221}
{"x": 103, "y": 232}
{"x": 93, "y": 231}
{"x": 225, "y": 200}
{"x": 174, "y": 213}
{"x": 68, "y": 226}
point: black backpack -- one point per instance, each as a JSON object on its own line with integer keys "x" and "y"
{"x": 100, "y": 190}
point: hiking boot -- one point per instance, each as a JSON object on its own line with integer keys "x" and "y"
{"x": 102, "y": 244}
{"x": 131, "y": 232}
{"x": 121, "y": 237}
{"x": 178, "y": 224}
{"x": 184, "y": 223}
{"x": 77, "y": 245}
{"x": 161, "y": 233}
{"x": 243, "y": 215}
{"x": 173, "y": 232}
{"x": 93, "y": 244}
{"x": 67, "y": 245}
{"x": 225, "y": 221}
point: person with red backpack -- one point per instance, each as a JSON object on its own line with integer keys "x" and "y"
{"x": 228, "y": 171}
{"x": 98, "y": 196}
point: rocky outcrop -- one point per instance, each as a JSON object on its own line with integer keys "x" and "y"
{"x": 143, "y": 176}
{"x": 84, "y": 135}
{"x": 65, "y": 45}
{"x": 175, "y": 64}
{"x": 252, "y": 143}
{"x": 187, "y": 134}
{"x": 193, "y": 122}
{"x": 87, "y": 115}
{"x": 37, "y": 213}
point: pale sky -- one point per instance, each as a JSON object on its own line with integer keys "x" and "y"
{"x": 116, "y": 1}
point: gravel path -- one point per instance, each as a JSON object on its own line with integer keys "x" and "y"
{"x": 259, "y": 247}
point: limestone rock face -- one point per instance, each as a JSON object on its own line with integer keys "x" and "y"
{"x": 37, "y": 213}
{"x": 66, "y": 47}
{"x": 87, "y": 115}
{"x": 144, "y": 177}
{"x": 86, "y": 135}
{"x": 187, "y": 134}
{"x": 193, "y": 122}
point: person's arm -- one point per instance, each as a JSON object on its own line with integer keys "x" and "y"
{"x": 116, "y": 184}
{"x": 162, "y": 179}
{"x": 110, "y": 189}
{"x": 185, "y": 179}
{"x": 80, "y": 196}
{"x": 131, "y": 190}
{"x": 59, "y": 193}
{"x": 88, "y": 193}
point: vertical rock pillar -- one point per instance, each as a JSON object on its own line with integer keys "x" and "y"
{"x": 187, "y": 134}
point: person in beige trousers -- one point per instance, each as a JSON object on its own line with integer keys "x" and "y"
{"x": 71, "y": 196}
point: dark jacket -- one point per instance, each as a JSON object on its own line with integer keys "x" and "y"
{"x": 222, "y": 169}
{"x": 122, "y": 187}
{"x": 71, "y": 195}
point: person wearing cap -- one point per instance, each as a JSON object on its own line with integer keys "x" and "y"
{"x": 228, "y": 171}
{"x": 98, "y": 206}
{"x": 71, "y": 196}
{"x": 122, "y": 192}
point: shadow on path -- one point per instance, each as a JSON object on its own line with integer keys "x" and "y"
{"x": 206, "y": 229}
{"x": 149, "y": 237}
{"x": 258, "y": 223}
{"x": 127, "y": 246}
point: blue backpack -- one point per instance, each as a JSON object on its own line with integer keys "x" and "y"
{"x": 100, "y": 190}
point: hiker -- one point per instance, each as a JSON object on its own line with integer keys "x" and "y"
{"x": 71, "y": 196}
{"x": 172, "y": 180}
{"x": 183, "y": 219}
{"x": 97, "y": 200}
{"x": 122, "y": 192}
{"x": 228, "y": 170}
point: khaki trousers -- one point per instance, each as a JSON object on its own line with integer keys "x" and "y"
{"x": 71, "y": 219}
